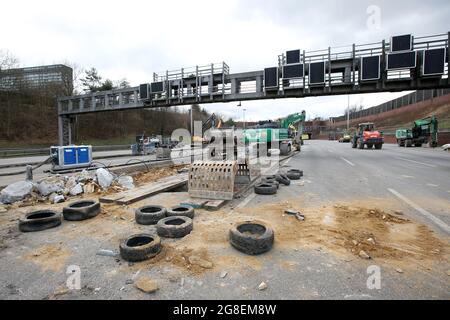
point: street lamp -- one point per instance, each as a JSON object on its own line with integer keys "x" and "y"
{"x": 243, "y": 111}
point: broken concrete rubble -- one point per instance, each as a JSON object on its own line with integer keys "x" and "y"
{"x": 77, "y": 190}
{"x": 16, "y": 191}
{"x": 146, "y": 285}
{"x": 59, "y": 199}
{"x": 89, "y": 188}
{"x": 51, "y": 185}
{"x": 104, "y": 177}
{"x": 126, "y": 182}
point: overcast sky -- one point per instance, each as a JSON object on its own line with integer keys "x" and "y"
{"x": 132, "y": 39}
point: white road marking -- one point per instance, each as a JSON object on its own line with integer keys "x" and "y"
{"x": 422, "y": 163}
{"x": 330, "y": 151}
{"x": 432, "y": 185}
{"x": 424, "y": 212}
{"x": 350, "y": 163}
{"x": 408, "y": 177}
{"x": 246, "y": 201}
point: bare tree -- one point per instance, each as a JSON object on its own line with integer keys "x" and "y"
{"x": 8, "y": 60}
{"x": 77, "y": 71}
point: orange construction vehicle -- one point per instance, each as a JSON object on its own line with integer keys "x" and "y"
{"x": 366, "y": 135}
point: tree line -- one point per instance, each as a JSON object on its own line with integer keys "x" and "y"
{"x": 29, "y": 115}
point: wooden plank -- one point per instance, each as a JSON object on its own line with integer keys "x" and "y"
{"x": 137, "y": 194}
{"x": 111, "y": 198}
{"x": 214, "y": 205}
{"x": 150, "y": 190}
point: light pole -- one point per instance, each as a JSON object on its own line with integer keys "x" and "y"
{"x": 243, "y": 111}
{"x": 348, "y": 113}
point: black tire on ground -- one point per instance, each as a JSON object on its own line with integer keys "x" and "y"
{"x": 149, "y": 215}
{"x": 408, "y": 143}
{"x": 360, "y": 144}
{"x": 418, "y": 145}
{"x": 174, "y": 227}
{"x": 379, "y": 146}
{"x": 140, "y": 247}
{"x": 294, "y": 175}
{"x": 270, "y": 181}
{"x": 282, "y": 178}
{"x": 251, "y": 237}
{"x": 39, "y": 221}
{"x": 369, "y": 146}
{"x": 81, "y": 210}
{"x": 181, "y": 211}
{"x": 265, "y": 189}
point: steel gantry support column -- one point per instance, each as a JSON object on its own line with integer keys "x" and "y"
{"x": 64, "y": 128}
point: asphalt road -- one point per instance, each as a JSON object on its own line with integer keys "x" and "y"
{"x": 418, "y": 178}
{"x": 415, "y": 181}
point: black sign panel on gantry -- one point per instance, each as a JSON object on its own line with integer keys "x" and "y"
{"x": 144, "y": 91}
{"x": 157, "y": 87}
{"x": 293, "y": 71}
{"x": 434, "y": 62}
{"x": 293, "y": 56}
{"x": 271, "y": 80}
{"x": 317, "y": 73}
{"x": 370, "y": 68}
{"x": 401, "y": 43}
{"x": 404, "y": 60}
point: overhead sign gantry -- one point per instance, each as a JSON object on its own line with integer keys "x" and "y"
{"x": 400, "y": 64}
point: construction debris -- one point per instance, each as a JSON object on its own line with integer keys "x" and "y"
{"x": 106, "y": 253}
{"x": 51, "y": 185}
{"x": 77, "y": 190}
{"x": 146, "y": 284}
{"x": 104, "y": 177}
{"x": 364, "y": 255}
{"x": 262, "y": 286}
{"x": 299, "y": 216}
{"x": 126, "y": 182}
{"x": 205, "y": 264}
{"x": 16, "y": 191}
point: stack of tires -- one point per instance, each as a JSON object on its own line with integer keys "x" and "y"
{"x": 269, "y": 185}
{"x": 176, "y": 222}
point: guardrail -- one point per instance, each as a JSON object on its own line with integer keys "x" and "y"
{"x": 23, "y": 152}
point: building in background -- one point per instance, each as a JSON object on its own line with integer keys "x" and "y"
{"x": 41, "y": 77}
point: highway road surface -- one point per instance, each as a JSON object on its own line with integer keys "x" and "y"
{"x": 306, "y": 262}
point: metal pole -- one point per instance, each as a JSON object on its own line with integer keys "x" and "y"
{"x": 192, "y": 133}
{"x": 348, "y": 113}
{"x": 243, "y": 109}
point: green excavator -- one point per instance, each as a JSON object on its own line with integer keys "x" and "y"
{"x": 423, "y": 131}
{"x": 287, "y": 132}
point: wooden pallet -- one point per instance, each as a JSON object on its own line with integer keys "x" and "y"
{"x": 138, "y": 194}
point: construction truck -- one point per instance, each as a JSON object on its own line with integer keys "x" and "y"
{"x": 424, "y": 131}
{"x": 366, "y": 135}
